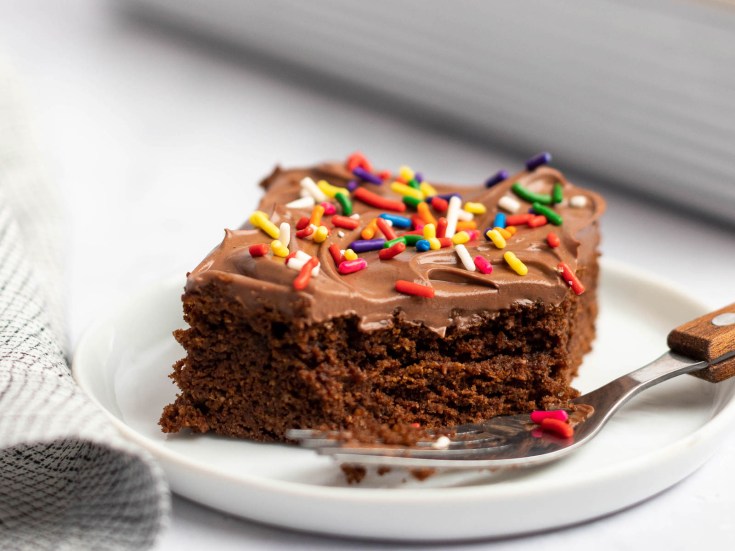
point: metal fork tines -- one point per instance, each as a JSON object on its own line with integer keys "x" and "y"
{"x": 475, "y": 444}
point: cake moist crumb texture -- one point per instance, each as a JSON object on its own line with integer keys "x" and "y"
{"x": 346, "y": 350}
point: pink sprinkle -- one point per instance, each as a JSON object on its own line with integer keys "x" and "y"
{"x": 539, "y": 415}
{"x": 474, "y": 234}
{"x": 483, "y": 264}
{"x": 329, "y": 208}
{"x": 352, "y": 266}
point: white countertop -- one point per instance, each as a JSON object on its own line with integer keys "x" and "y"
{"x": 146, "y": 133}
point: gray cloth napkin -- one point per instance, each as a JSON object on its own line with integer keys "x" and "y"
{"x": 68, "y": 480}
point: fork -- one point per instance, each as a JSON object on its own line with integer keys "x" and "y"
{"x": 704, "y": 347}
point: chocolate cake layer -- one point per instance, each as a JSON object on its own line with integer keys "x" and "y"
{"x": 351, "y": 351}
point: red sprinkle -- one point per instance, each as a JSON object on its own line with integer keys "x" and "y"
{"x": 357, "y": 159}
{"x": 302, "y": 223}
{"x": 559, "y": 428}
{"x": 393, "y": 250}
{"x": 304, "y": 276}
{"x": 539, "y": 415}
{"x": 568, "y": 275}
{"x": 441, "y": 227}
{"x": 383, "y": 174}
{"x": 439, "y": 205}
{"x": 261, "y": 249}
{"x": 336, "y": 254}
{"x": 553, "y": 240}
{"x": 483, "y": 264}
{"x": 352, "y": 266}
{"x": 291, "y": 255}
{"x": 418, "y": 223}
{"x": 345, "y": 222}
{"x": 377, "y": 201}
{"x": 306, "y": 232}
{"x": 385, "y": 228}
{"x": 517, "y": 219}
{"x": 411, "y": 288}
{"x": 445, "y": 242}
{"x": 537, "y": 221}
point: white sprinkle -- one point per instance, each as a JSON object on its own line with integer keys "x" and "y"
{"x": 355, "y": 216}
{"x": 285, "y": 233}
{"x": 313, "y": 189}
{"x": 441, "y": 443}
{"x": 340, "y": 233}
{"x": 578, "y": 201}
{"x": 465, "y": 216}
{"x": 301, "y": 255}
{"x": 464, "y": 256}
{"x": 297, "y": 262}
{"x": 305, "y": 202}
{"x": 455, "y": 204}
{"x": 509, "y": 203}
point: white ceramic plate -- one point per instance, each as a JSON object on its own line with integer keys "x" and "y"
{"x": 656, "y": 440}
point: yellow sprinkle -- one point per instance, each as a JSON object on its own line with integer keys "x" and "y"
{"x": 460, "y": 237}
{"x": 429, "y": 231}
{"x": 513, "y": 261}
{"x": 259, "y": 219}
{"x": 278, "y": 249}
{"x": 350, "y": 255}
{"x": 434, "y": 243}
{"x": 321, "y": 234}
{"x": 475, "y": 208}
{"x": 406, "y": 173}
{"x": 427, "y": 189}
{"x": 511, "y": 229}
{"x": 328, "y": 189}
{"x": 497, "y": 239}
{"x": 406, "y": 191}
{"x": 505, "y": 233}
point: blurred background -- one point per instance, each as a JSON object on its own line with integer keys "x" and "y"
{"x": 157, "y": 118}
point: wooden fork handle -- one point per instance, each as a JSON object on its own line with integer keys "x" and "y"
{"x": 710, "y": 338}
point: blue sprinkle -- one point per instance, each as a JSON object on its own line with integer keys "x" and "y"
{"x": 499, "y": 176}
{"x": 536, "y": 161}
{"x": 499, "y": 221}
{"x": 365, "y": 245}
{"x": 367, "y": 176}
{"x": 423, "y": 245}
{"x": 401, "y": 222}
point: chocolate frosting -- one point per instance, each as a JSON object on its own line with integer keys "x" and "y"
{"x": 460, "y": 295}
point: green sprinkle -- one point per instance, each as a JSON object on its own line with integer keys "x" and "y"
{"x": 412, "y": 202}
{"x": 558, "y": 193}
{"x": 530, "y": 196}
{"x": 414, "y": 184}
{"x": 550, "y": 214}
{"x": 344, "y": 202}
{"x": 389, "y": 244}
{"x": 412, "y": 239}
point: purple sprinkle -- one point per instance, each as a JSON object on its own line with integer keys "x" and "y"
{"x": 485, "y": 233}
{"x": 352, "y": 185}
{"x": 367, "y": 176}
{"x": 536, "y": 161}
{"x": 448, "y": 196}
{"x": 418, "y": 177}
{"x": 499, "y": 176}
{"x": 365, "y": 245}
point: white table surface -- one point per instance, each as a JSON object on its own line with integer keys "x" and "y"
{"x": 147, "y": 133}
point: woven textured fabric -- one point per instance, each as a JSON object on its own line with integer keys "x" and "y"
{"x": 68, "y": 480}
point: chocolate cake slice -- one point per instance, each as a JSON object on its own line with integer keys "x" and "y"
{"x": 440, "y": 320}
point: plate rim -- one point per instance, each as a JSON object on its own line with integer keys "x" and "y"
{"x": 721, "y": 415}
